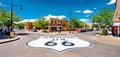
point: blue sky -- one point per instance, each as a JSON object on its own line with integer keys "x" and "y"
{"x": 34, "y": 9}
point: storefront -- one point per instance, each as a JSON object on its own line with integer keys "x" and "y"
{"x": 58, "y": 25}
{"x": 116, "y": 25}
{"x": 116, "y": 20}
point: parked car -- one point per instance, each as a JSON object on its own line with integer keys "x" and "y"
{"x": 87, "y": 30}
{"x": 34, "y": 30}
{"x": 83, "y": 30}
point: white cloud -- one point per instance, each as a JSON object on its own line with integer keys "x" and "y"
{"x": 50, "y": 16}
{"x": 87, "y": 11}
{"x": 53, "y": 16}
{"x": 61, "y": 17}
{"x": 111, "y": 2}
{"x": 27, "y": 20}
{"x": 84, "y": 20}
{"x": 77, "y": 11}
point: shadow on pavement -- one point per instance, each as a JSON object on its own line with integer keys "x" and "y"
{"x": 5, "y": 37}
{"x": 22, "y": 34}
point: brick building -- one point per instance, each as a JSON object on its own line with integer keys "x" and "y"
{"x": 58, "y": 24}
{"x": 116, "y": 20}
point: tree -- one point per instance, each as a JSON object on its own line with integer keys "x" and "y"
{"x": 98, "y": 20}
{"x": 80, "y": 24}
{"x": 95, "y": 25}
{"x": 41, "y": 23}
{"x": 44, "y": 23}
{"x": 74, "y": 22}
{"x": 107, "y": 16}
{"x": 5, "y": 17}
{"x": 103, "y": 18}
{"x": 21, "y": 25}
{"x": 36, "y": 24}
{"x": 77, "y": 23}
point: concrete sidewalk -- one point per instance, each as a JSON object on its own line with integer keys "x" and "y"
{"x": 6, "y": 39}
{"x": 108, "y": 39}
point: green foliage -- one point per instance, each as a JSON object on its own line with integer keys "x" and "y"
{"x": 41, "y": 23}
{"x": 80, "y": 24}
{"x": 87, "y": 26}
{"x": 21, "y": 25}
{"x": 5, "y": 17}
{"x": 95, "y": 25}
{"x": 76, "y": 23}
{"x": 44, "y": 30}
{"x": 36, "y": 24}
{"x": 103, "y": 18}
{"x": 101, "y": 33}
{"x": 97, "y": 19}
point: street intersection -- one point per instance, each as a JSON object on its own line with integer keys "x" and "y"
{"x": 20, "y": 48}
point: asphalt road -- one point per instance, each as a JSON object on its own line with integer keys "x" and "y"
{"x": 92, "y": 33}
{"x": 20, "y": 49}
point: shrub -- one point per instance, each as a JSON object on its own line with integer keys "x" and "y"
{"x": 44, "y": 31}
{"x": 101, "y": 33}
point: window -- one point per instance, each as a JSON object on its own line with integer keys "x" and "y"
{"x": 55, "y": 22}
{"x": 58, "y": 21}
{"x": 51, "y": 21}
{"x": 61, "y": 21}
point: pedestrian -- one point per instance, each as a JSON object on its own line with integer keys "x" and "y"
{"x": 112, "y": 30}
{"x": 115, "y": 31}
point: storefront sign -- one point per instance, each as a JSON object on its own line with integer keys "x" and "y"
{"x": 116, "y": 24}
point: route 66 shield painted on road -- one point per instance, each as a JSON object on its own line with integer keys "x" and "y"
{"x": 59, "y": 43}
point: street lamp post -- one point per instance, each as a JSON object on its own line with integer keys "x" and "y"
{"x": 76, "y": 11}
{"x": 25, "y": 23}
{"x": 70, "y": 23}
{"x": 8, "y": 25}
{"x": 12, "y": 13}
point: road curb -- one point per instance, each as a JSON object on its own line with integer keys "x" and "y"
{"x": 9, "y": 40}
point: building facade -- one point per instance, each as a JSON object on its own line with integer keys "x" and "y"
{"x": 116, "y": 20}
{"x": 58, "y": 24}
{"x": 29, "y": 25}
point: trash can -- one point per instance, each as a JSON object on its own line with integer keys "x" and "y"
{"x": 12, "y": 34}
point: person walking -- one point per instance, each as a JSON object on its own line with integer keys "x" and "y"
{"x": 112, "y": 30}
{"x": 115, "y": 31}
